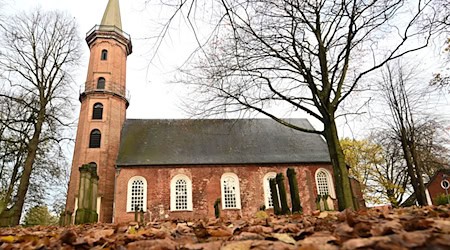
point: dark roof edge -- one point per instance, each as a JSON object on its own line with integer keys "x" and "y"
{"x": 220, "y": 164}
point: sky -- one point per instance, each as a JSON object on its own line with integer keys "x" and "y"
{"x": 148, "y": 73}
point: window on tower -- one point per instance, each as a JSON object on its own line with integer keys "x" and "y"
{"x": 97, "y": 113}
{"x": 95, "y": 138}
{"x": 101, "y": 83}
{"x": 104, "y": 55}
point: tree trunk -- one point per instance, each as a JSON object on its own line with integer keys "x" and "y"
{"x": 341, "y": 181}
{"x": 420, "y": 195}
{"x": 418, "y": 170}
{"x": 12, "y": 215}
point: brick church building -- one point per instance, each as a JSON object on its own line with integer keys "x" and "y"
{"x": 179, "y": 168}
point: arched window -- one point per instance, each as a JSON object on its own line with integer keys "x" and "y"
{"x": 104, "y": 55}
{"x": 267, "y": 194}
{"x": 95, "y": 138}
{"x": 231, "y": 198}
{"x": 137, "y": 194}
{"x": 324, "y": 183}
{"x": 180, "y": 193}
{"x": 97, "y": 113}
{"x": 101, "y": 83}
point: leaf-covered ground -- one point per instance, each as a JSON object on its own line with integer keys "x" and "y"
{"x": 405, "y": 228}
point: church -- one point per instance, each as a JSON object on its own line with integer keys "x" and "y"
{"x": 178, "y": 168}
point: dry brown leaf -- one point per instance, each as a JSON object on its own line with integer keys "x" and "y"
{"x": 288, "y": 228}
{"x": 7, "y": 239}
{"x": 386, "y": 228}
{"x": 364, "y": 242}
{"x": 362, "y": 229}
{"x": 259, "y": 229}
{"x": 68, "y": 237}
{"x": 165, "y": 244}
{"x": 183, "y": 228}
{"x": 97, "y": 234}
{"x": 220, "y": 231}
{"x": 319, "y": 238}
{"x": 237, "y": 245}
{"x": 203, "y": 246}
{"x": 286, "y": 238}
{"x": 247, "y": 236}
{"x": 442, "y": 225}
{"x": 411, "y": 239}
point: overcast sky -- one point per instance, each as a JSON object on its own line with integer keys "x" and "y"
{"x": 152, "y": 96}
{"x": 147, "y": 80}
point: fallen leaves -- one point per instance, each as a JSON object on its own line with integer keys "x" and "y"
{"x": 405, "y": 228}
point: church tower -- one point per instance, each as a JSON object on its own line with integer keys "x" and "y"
{"x": 104, "y": 101}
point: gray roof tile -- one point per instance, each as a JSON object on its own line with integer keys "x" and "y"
{"x": 218, "y": 141}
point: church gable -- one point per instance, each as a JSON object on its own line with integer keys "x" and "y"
{"x": 218, "y": 141}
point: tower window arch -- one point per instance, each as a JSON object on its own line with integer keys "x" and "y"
{"x": 137, "y": 194}
{"x": 180, "y": 193}
{"x": 101, "y": 83}
{"x": 231, "y": 198}
{"x": 104, "y": 55}
{"x": 95, "y": 138}
{"x": 324, "y": 183}
{"x": 97, "y": 113}
{"x": 267, "y": 193}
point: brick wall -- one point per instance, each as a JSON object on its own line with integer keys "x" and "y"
{"x": 434, "y": 188}
{"x": 206, "y": 188}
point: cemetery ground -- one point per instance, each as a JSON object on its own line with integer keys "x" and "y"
{"x": 382, "y": 228}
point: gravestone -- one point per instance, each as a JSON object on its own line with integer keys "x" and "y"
{"x": 87, "y": 195}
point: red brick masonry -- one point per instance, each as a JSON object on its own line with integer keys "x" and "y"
{"x": 206, "y": 188}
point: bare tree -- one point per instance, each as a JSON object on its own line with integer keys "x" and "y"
{"x": 414, "y": 130}
{"x": 305, "y": 55}
{"x": 390, "y": 175}
{"x": 38, "y": 52}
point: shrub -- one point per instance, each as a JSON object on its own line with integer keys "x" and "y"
{"x": 442, "y": 199}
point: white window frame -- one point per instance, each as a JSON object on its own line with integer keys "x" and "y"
{"x": 173, "y": 194}
{"x": 266, "y": 186}
{"x": 237, "y": 190}
{"x": 330, "y": 182}
{"x": 130, "y": 182}
{"x": 75, "y": 211}
{"x": 99, "y": 206}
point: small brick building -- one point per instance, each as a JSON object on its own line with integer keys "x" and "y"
{"x": 438, "y": 185}
{"x": 179, "y": 168}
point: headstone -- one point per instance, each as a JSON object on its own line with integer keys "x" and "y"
{"x": 87, "y": 195}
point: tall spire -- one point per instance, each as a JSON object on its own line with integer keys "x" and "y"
{"x": 112, "y": 14}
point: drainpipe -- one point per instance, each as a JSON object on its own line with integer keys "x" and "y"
{"x": 114, "y": 197}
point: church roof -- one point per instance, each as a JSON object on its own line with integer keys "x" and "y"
{"x": 218, "y": 141}
{"x": 111, "y": 17}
